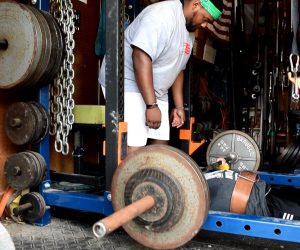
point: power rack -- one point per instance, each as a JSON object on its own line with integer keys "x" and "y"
{"x": 254, "y": 226}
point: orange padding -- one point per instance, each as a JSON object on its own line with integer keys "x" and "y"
{"x": 186, "y": 134}
{"x": 5, "y": 198}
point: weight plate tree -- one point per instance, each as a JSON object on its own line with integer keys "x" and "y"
{"x": 237, "y": 148}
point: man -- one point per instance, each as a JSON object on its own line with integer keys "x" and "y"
{"x": 158, "y": 44}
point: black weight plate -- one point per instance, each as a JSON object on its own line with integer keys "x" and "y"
{"x": 19, "y": 171}
{"x": 279, "y": 159}
{"x": 43, "y": 116}
{"x": 288, "y": 154}
{"x": 41, "y": 164}
{"x": 291, "y": 159}
{"x": 296, "y": 160}
{"x": 20, "y": 123}
{"x": 38, "y": 122}
{"x": 38, "y": 207}
{"x": 35, "y": 166}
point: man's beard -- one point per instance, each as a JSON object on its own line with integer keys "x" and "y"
{"x": 189, "y": 24}
{"x": 190, "y": 27}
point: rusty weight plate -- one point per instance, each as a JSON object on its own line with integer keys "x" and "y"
{"x": 57, "y": 49}
{"x": 43, "y": 121}
{"x": 19, "y": 28}
{"x": 46, "y": 45}
{"x": 193, "y": 189}
{"x": 37, "y": 209}
{"x": 236, "y": 145}
{"x": 20, "y": 123}
{"x": 20, "y": 171}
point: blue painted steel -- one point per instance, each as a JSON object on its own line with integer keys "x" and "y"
{"x": 79, "y": 201}
{"x": 43, "y": 146}
{"x": 254, "y": 226}
{"x": 280, "y": 179}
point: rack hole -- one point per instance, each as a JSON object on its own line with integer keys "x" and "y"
{"x": 219, "y": 223}
{"x": 247, "y": 227}
{"x": 277, "y": 231}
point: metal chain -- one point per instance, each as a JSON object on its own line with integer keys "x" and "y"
{"x": 61, "y": 92}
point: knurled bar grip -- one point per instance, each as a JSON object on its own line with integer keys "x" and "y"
{"x": 122, "y": 216}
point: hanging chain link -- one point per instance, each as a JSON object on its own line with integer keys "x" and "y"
{"x": 62, "y": 90}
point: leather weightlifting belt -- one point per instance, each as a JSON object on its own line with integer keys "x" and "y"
{"x": 241, "y": 191}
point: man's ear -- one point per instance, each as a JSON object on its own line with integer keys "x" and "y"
{"x": 196, "y": 4}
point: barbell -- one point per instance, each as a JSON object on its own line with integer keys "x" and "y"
{"x": 161, "y": 197}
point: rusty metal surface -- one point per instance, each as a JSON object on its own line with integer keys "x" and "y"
{"x": 194, "y": 192}
{"x": 20, "y": 123}
{"x": 26, "y": 123}
{"x": 57, "y": 49}
{"x": 24, "y": 170}
{"x": 46, "y": 45}
{"x": 35, "y": 46}
{"x": 18, "y": 27}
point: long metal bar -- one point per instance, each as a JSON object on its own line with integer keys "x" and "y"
{"x": 44, "y": 146}
{"x": 79, "y": 201}
{"x": 254, "y": 226}
{"x": 114, "y": 84}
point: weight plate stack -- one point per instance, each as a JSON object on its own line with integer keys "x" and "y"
{"x": 26, "y": 123}
{"x": 24, "y": 170}
{"x": 35, "y": 46}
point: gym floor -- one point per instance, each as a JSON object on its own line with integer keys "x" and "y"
{"x": 73, "y": 230}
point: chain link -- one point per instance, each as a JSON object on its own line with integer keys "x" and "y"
{"x": 61, "y": 92}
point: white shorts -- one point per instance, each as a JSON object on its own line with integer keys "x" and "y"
{"x": 134, "y": 115}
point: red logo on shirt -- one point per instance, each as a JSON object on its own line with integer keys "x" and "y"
{"x": 187, "y": 48}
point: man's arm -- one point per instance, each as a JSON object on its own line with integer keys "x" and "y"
{"x": 142, "y": 65}
{"x": 177, "y": 92}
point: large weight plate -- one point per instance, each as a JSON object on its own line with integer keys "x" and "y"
{"x": 46, "y": 44}
{"x": 178, "y": 166}
{"x": 19, "y": 27}
{"x": 237, "y": 144}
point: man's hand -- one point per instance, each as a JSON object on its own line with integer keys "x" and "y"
{"x": 294, "y": 80}
{"x": 153, "y": 117}
{"x": 177, "y": 117}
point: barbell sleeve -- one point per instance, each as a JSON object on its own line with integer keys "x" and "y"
{"x": 18, "y": 210}
{"x": 122, "y": 216}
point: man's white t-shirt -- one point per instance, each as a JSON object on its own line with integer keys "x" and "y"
{"x": 160, "y": 31}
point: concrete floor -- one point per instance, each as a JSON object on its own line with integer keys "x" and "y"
{"x": 73, "y": 230}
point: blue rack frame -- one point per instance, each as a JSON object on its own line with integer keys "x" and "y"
{"x": 254, "y": 226}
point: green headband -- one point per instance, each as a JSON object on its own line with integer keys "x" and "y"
{"x": 211, "y": 9}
